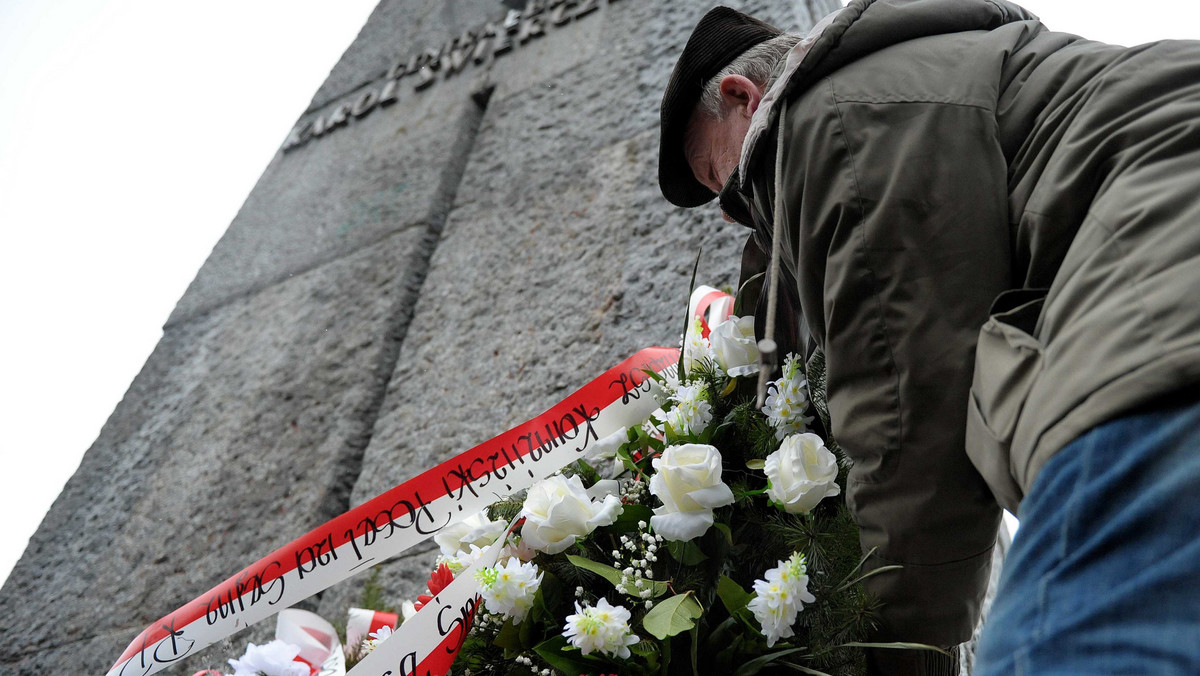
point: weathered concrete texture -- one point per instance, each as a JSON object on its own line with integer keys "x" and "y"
{"x": 65, "y": 659}
{"x": 243, "y": 431}
{"x": 397, "y": 29}
{"x": 380, "y": 174}
{"x": 559, "y": 259}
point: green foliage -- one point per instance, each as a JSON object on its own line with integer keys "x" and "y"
{"x": 372, "y": 597}
{"x": 614, "y": 576}
{"x": 560, "y": 655}
{"x": 732, "y": 595}
{"x": 672, "y": 616}
{"x": 687, "y": 319}
{"x": 586, "y": 473}
{"x": 745, "y": 429}
{"x": 504, "y": 510}
{"x": 373, "y": 594}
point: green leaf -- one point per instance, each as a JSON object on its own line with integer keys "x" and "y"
{"x": 755, "y": 665}
{"x": 695, "y": 636}
{"x": 567, "y": 659}
{"x": 845, "y": 582}
{"x": 644, "y": 648}
{"x": 509, "y": 638}
{"x": 654, "y": 375}
{"x": 525, "y": 629}
{"x": 724, "y": 660}
{"x": 728, "y": 533}
{"x": 627, "y": 459}
{"x": 749, "y": 291}
{"x": 672, "y": 616}
{"x": 804, "y": 670}
{"x": 613, "y": 575}
{"x": 687, "y": 319}
{"x": 549, "y": 595}
{"x": 882, "y": 569}
{"x": 629, "y": 518}
{"x": 756, "y": 464}
{"x": 603, "y": 570}
{"x": 898, "y": 645}
{"x": 688, "y": 553}
{"x": 723, "y": 635}
{"x": 586, "y": 472}
{"x": 739, "y": 495}
{"x": 732, "y": 595}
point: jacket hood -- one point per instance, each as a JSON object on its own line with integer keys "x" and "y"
{"x": 861, "y": 28}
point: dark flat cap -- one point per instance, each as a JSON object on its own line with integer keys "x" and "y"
{"x": 722, "y": 35}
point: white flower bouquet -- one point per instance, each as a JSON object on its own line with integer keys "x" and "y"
{"x": 714, "y": 550}
{"x": 701, "y": 541}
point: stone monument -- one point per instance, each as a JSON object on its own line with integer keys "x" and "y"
{"x": 463, "y": 227}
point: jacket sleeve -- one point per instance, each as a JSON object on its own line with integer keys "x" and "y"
{"x": 895, "y": 227}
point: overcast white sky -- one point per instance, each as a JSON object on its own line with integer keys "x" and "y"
{"x": 131, "y": 131}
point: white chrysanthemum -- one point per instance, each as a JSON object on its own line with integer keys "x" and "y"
{"x": 273, "y": 659}
{"x": 476, "y": 529}
{"x": 509, "y": 589}
{"x": 603, "y": 628}
{"x": 696, "y": 347}
{"x": 376, "y": 637}
{"x": 692, "y": 412}
{"x": 787, "y": 400}
{"x": 780, "y": 597}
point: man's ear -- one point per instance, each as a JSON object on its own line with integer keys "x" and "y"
{"x": 739, "y": 92}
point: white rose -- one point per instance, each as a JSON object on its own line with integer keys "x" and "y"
{"x": 558, "y": 511}
{"x": 687, "y": 479}
{"x": 802, "y": 473}
{"x": 474, "y": 530}
{"x": 735, "y": 347}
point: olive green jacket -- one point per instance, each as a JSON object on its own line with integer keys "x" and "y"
{"x": 993, "y": 233}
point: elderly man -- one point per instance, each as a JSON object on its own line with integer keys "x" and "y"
{"x": 992, "y": 231}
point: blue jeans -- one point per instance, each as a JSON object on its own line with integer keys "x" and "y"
{"x": 1104, "y": 573}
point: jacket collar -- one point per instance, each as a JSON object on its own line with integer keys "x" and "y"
{"x": 858, "y": 29}
{"x": 761, "y": 120}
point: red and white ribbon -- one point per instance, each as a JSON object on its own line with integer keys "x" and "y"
{"x": 361, "y": 623}
{"x": 428, "y": 642}
{"x": 405, "y": 515}
{"x": 711, "y": 305}
{"x": 315, "y": 637}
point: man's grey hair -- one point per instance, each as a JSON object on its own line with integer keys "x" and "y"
{"x": 760, "y": 64}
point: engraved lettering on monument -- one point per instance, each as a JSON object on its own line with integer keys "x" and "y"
{"x": 476, "y": 46}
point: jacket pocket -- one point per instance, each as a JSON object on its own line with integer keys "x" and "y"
{"x": 1008, "y": 360}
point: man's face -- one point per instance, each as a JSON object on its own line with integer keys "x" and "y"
{"x": 714, "y": 146}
